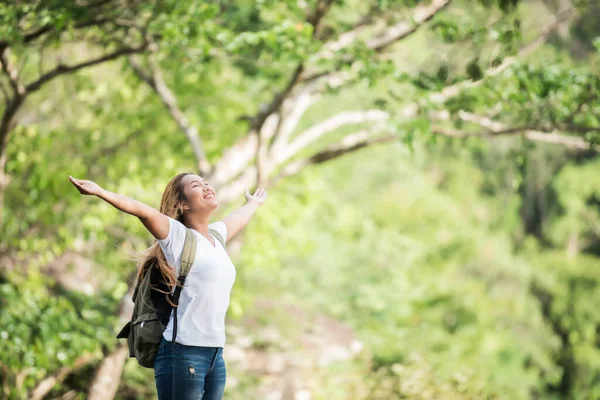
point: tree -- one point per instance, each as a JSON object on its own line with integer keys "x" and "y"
{"x": 296, "y": 57}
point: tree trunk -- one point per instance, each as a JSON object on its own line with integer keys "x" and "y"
{"x": 45, "y": 386}
{"x": 4, "y": 181}
{"x": 108, "y": 376}
{"x": 6, "y": 125}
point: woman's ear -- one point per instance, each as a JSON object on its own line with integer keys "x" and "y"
{"x": 184, "y": 206}
{"x": 181, "y": 207}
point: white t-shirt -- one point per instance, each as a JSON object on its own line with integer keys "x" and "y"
{"x": 205, "y": 296}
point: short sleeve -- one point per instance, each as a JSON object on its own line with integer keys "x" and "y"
{"x": 172, "y": 245}
{"x": 221, "y": 228}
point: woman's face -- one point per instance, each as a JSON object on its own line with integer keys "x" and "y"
{"x": 200, "y": 196}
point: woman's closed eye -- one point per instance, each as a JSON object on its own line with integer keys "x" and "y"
{"x": 196, "y": 184}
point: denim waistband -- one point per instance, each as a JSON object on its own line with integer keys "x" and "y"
{"x": 201, "y": 351}
{"x": 181, "y": 352}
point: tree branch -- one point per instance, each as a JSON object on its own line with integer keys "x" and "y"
{"x": 422, "y": 14}
{"x": 339, "y": 78}
{"x": 393, "y": 34}
{"x": 29, "y": 37}
{"x": 315, "y": 19}
{"x": 454, "y": 90}
{"x": 329, "y": 125}
{"x": 495, "y": 126}
{"x": 156, "y": 81}
{"x": 4, "y": 181}
{"x": 482, "y": 121}
{"x": 275, "y": 103}
{"x": 530, "y": 132}
{"x": 241, "y": 158}
{"x": 65, "y": 69}
{"x": 291, "y": 118}
{"x": 46, "y": 385}
{"x": 578, "y": 128}
{"x": 411, "y": 110}
{"x": 321, "y": 9}
{"x": 349, "y": 144}
{"x": 571, "y": 142}
{"x": 4, "y": 92}
{"x": 238, "y": 157}
{"x": 106, "y": 379}
{"x": 7, "y": 123}
{"x": 236, "y": 187}
{"x": 11, "y": 72}
{"x": 234, "y": 160}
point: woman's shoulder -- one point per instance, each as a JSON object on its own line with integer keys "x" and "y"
{"x": 220, "y": 228}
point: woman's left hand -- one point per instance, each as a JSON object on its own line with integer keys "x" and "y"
{"x": 258, "y": 197}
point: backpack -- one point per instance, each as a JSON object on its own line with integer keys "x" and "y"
{"x": 151, "y": 311}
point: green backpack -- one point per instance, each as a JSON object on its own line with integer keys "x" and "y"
{"x": 151, "y": 311}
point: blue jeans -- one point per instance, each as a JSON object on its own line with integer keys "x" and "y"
{"x": 189, "y": 372}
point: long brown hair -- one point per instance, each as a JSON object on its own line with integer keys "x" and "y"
{"x": 170, "y": 205}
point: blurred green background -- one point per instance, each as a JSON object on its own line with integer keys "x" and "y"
{"x": 433, "y": 222}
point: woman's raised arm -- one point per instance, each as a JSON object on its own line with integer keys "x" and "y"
{"x": 237, "y": 219}
{"x": 156, "y": 222}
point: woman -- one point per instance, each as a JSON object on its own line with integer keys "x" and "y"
{"x": 193, "y": 366}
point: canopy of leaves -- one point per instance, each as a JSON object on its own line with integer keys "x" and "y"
{"x": 463, "y": 252}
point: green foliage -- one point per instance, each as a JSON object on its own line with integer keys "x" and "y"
{"x": 578, "y": 189}
{"x": 566, "y": 288}
{"x": 421, "y": 279}
{"x": 467, "y": 268}
{"x": 45, "y": 328}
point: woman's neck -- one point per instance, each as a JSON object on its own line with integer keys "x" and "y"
{"x": 197, "y": 222}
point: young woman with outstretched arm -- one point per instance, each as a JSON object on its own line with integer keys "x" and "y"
{"x": 193, "y": 366}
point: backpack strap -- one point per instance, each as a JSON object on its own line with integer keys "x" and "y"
{"x": 216, "y": 234}
{"x": 187, "y": 259}
{"x": 189, "y": 253}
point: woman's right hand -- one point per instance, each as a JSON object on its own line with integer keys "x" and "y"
{"x": 86, "y": 187}
{"x": 156, "y": 222}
